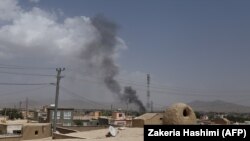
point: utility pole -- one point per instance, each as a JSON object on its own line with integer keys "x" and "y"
{"x": 127, "y": 108}
{"x": 27, "y": 108}
{"x": 111, "y": 107}
{"x": 58, "y": 78}
{"x": 20, "y": 106}
{"x": 148, "y": 92}
{"x": 151, "y": 106}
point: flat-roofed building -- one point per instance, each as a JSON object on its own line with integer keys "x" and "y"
{"x": 64, "y": 116}
{"x": 22, "y": 130}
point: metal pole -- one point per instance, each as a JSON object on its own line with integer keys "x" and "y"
{"x": 27, "y": 108}
{"x": 57, "y": 95}
{"x": 148, "y": 92}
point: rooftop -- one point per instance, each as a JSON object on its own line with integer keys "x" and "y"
{"x": 148, "y": 116}
{"x": 22, "y": 122}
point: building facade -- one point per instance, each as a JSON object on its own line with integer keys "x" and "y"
{"x": 64, "y": 116}
{"x": 24, "y": 131}
{"x": 148, "y": 119}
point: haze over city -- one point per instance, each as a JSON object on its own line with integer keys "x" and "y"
{"x": 193, "y": 50}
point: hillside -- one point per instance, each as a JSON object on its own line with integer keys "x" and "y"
{"x": 218, "y": 106}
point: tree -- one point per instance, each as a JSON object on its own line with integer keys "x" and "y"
{"x": 198, "y": 114}
{"x": 78, "y": 122}
{"x": 12, "y": 113}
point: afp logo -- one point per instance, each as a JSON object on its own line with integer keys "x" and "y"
{"x": 234, "y": 132}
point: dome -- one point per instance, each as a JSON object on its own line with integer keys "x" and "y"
{"x": 179, "y": 113}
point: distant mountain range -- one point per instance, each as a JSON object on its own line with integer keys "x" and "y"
{"x": 218, "y": 106}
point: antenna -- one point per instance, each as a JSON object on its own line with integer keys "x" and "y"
{"x": 148, "y": 92}
{"x": 27, "y": 108}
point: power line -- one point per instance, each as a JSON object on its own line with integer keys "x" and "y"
{"x": 29, "y": 74}
{"x": 185, "y": 91}
{"x": 169, "y": 91}
{"x": 7, "y": 66}
{"x": 80, "y": 96}
{"x": 160, "y": 86}
{"x": 158, "y": 91}
{"x": 23, "y": 91}
{"x": 2, "y": 83}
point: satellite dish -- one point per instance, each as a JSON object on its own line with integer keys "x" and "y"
{"x": 112, "y": 131}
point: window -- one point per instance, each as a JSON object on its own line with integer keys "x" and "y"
{"x": 17, "y": 131}
{"x": 36, "y": 132}
{"x": 66, "y": 115}
{"x": 58, "y": 115}
{"x": 120, "y": 115}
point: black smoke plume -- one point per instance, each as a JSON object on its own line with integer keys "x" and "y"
{"x": 99, "y": 56}
{"x": 131, "y": 97}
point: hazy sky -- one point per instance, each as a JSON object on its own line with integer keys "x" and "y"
{"x": 194, "y": 50}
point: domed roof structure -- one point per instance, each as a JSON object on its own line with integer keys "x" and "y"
{"x": 179, "y": 113}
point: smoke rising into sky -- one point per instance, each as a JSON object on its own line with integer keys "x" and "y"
{"x": 99, "y": 55}
{"x": 196, "y": 50}
{"x": 130, "y": 97}
{"x": 89, "y": 43}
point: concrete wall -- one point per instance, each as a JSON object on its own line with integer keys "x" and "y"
{"x": 156, "y": 120}
{"x": 221, "y": 121}
{"x": 118, "y": 115}
{"x": 13, "y": 128}
{"x": 118, "y": 122}
{"x": 128, "y": 123}
{"x": 137, "y": 123}
{"x": 36, "y": 131}
{"x": 86, "y": 128}
{"x": 3, "y": 129}
{"x": 10, "y": 138}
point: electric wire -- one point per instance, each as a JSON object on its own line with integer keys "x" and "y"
{"x": 7, "y": 66}
{"x": 24, "y": 84}
{"x": 23, "y": 91}
{"x": 30, "y": 74}
{"x": 82, "y": 97}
